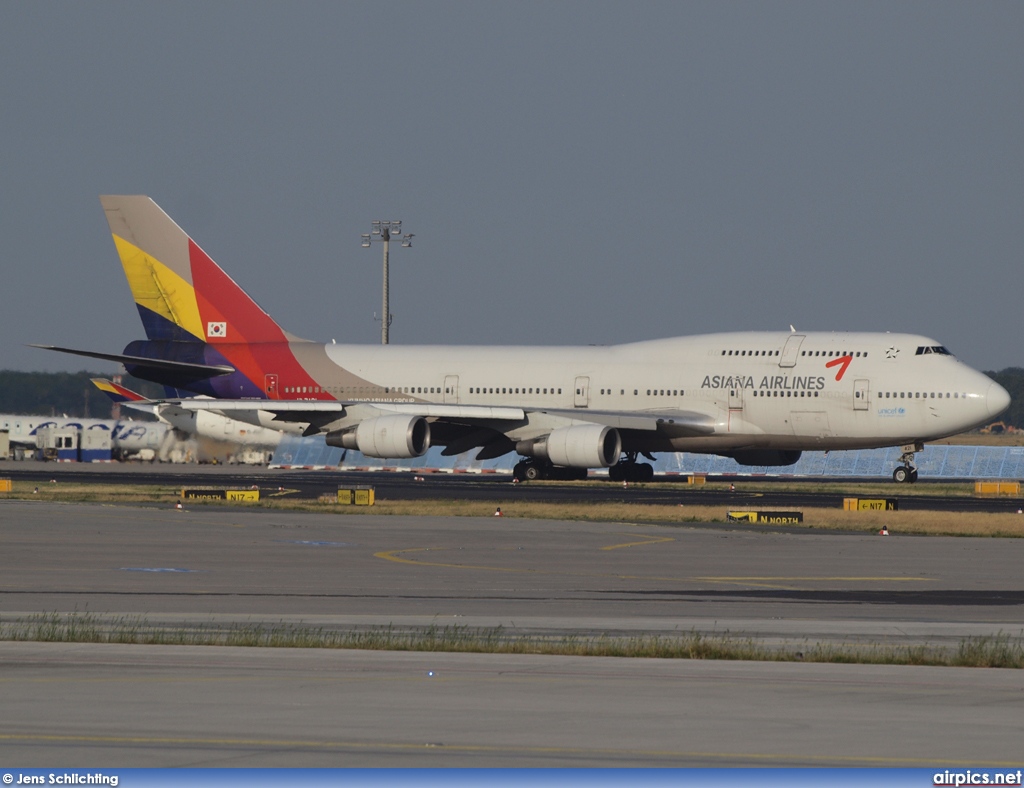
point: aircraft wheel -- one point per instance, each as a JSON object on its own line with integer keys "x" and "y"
{"x": 532, "y": 472}
{"x": 901, "y": 474}
{"x": 617, "y": 473}
{"x": 519, "y": 472}
{"x": 645, "y": 472}
{"x": 913, "y": 476}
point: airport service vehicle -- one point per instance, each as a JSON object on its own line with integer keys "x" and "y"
{"x": 128, "y": 438}
{"x": 761, "y": 398}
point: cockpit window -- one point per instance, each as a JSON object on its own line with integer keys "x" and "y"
{"x": 939, "y": 349}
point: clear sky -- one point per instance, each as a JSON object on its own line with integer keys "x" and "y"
{"x": 574, "y": 172}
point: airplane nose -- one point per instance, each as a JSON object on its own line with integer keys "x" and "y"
{"x": 997, "y": 399}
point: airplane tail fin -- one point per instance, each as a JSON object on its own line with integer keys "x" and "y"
{"x": 117, "y": 392}
{"x": 182, "y": 295}
{"x": 127, "y": 397}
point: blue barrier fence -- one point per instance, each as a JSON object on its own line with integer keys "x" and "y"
{"x": 936, "y": 461}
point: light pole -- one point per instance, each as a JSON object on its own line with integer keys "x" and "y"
{"x": 382, "y": 231}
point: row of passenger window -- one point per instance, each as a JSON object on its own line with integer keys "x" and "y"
{"x": 362, "y": 390}
{"x": 650, "y": 392}
{"x": 920, "y": 395}
{"x": 516, "y": 390}
{"x": 784, "y": 393}
{"x": 806, "y": 353}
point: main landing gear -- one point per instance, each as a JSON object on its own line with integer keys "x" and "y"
{"x": 629, "y": 470}
{"x": 907, "y": 472}
{"x": 529, "y": 470}
{"x": 625, "y": 470}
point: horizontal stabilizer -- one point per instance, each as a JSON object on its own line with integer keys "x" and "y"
{"x": 202, "y": 370}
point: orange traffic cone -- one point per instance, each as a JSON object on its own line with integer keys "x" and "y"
{"x": 497, "y": 512}
{"x": 884, "y": 531}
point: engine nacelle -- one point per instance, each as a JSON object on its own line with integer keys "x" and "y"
{"x": 765, "y": 456}
{"x": 581, "y": 446}
{"x": 390, "y": 437}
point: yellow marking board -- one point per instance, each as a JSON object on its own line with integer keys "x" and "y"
{"x": 6, "y": 485}
{"x": 772, "y": 518}
{"x": 220, "y": 495}
{"x": 358, "y": 496}
{"x": 871, "y": 504}
{"x": 997, "y": 488}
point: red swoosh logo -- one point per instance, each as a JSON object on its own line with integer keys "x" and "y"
{"x": 843, "y": 362}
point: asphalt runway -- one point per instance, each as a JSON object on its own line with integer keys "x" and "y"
{"x": 158, "y": 706}
{"x": 109, "y": 705}
{"x": 391, "y": 485}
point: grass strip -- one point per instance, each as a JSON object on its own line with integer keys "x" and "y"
{"x": 931, "y": 523}
{"x": 996, "y": 651}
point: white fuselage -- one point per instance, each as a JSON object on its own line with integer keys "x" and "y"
{"x": 757, "y": 389}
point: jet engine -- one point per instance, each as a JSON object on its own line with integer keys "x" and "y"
{"x": 764, "y": 456}
{"x": 392, "y": 437}
{"x": 581, "y": 446}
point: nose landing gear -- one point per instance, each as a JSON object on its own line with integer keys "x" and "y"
{"x": 907, "y": 472}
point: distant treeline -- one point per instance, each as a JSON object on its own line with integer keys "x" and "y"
{"x": 59, "y": 393}
{"x": 55, "y": 393}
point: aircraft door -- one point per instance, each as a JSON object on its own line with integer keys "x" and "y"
{"x": 861, "y": 389}
{"x": 581, "y": 399}
{"x": 451, "y": 389}
{"x": 735, "y": 407}
{"x": 791, "y": 351}
{"x": 270, "y": 386}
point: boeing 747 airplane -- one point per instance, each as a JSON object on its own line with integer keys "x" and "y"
{"x": 759, "y": 397}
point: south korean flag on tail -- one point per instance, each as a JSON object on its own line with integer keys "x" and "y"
{"x": 216, "y": 330}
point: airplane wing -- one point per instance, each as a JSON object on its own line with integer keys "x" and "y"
{"x": 690, "y": 421}
{"x": 458, "y": 427}
{"x": 675, "y": 422}
{"x": 268, "y": 405}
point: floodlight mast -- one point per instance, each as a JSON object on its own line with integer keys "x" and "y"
{"x": 382, "y": 230}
